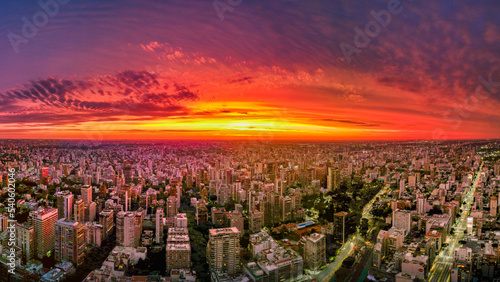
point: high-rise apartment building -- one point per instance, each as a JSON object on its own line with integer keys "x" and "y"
{"x": 223, "y": 194}
{"x": 402, "y": 220}
{"x": 4, "y": 222}
{"x": 178, "y": 249}
{"x": 315, "y": 250}
{"x": 402, "y": 184}
{"x": 412, "y": 181}
{"x": 25, "y": 239}
{"x": 70, "y": 241}
{"x": 339, "y": 225}
{"x": 286, "y": 208}
{"x": 223, "y": 250}
{"x": 421, "y": 205}
{"x": 125, "y": 229}
{"x": 128, "y": 229}
{"x": 333, "y": 179}
{"x": 181, "y": 220}
{"x": 256, "y": 221}
{"x": 235, "y": 219}
{"x": 124, "y": 198}
{"x": 90, "y": 212}
{"x": 127, "y": 173}
{"x": 159, "y": 225}
{"x": 86, "y": 194}
{"x": 64, "y": 204}
{"x": 171, "y": 206}
{"x": 79, "y": 210}
{"x": 139, "y": 218}
{"x": 94, "y": 233}
{"x": 44, "y": 221}
{"x": 201, "y": 212}
{"x": 107, "y": 221}
{"x": 493, "y": 206}
{"x": 178, "y": 256}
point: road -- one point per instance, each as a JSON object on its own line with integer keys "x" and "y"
{"x": 330, "y": 269}
{"x": 441, "y": 269}
{"x": 348, "y": 246}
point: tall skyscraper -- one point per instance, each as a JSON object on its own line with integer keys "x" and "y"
{"x": 139, "y": 218}
{"x": 223, "y": 250}
{"x": 25, "y": 240}
{"x": 103, "y": 191}
{"x": 90, "y": 212}
{"x": 124, "y": 198}
{"x": 223, "y": 194}
{"x": 349, "y": 169}
{"x": 45, "y": 174}
{"x": 65, "y": 204}
{"x": 44, "y": 222}
{"x": 70, "y": 241}
{"x": 402, "y": 220}
{"x": 86, "y": 191}
{"x": 107, "y": 221}
{"x": 4, "y": 222}
{"x": 256, "y": 221}
{"x": 178, "y": 249}
{"x": 181, "y": 220}
{"x": 94, "y": 233}
{"x": 159, "y": 225}
{"x": 493, "y": 206}
{"x": 125, "y": 229}
{"x": 201, "y": 212}
{"x": 333, "y": 179}
{"x": 128, "y": 228}
{"x": 127, "y": 172}
{"x": 171, "y": 206}
{"x": 402, "y": 185}
{"x": 421, "y": 205}
{"x": 87, "y": 179}
{"x": 235, "y": 219}
{"x": 79, "y": 210}
{"x": 178, "y": 256}
{"x": 412, "y": 181}
{"x": 315, "y": 251}
{"x": 286, "y": 208}
{"x": 339, "y": 225}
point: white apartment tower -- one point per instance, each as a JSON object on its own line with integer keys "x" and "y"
{"x": 402, "y": 220}
{"x": 125, "y": 229}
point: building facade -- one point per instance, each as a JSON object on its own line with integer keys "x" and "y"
{"x": 223, "y": 250}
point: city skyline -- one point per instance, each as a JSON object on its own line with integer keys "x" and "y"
{"x": 250, "y": 70}
{"x": 240, "y": 211}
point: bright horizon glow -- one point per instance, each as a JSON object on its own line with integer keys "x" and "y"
{"x": 172, "y": 71}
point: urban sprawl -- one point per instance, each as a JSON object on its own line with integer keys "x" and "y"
{"x": 249, "y": 211}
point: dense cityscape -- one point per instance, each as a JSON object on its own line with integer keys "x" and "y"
{"x": 249, "y": 211}
{"x": 249, "y": 141}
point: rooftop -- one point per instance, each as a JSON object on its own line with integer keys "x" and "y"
{"x": 219, "y": 231}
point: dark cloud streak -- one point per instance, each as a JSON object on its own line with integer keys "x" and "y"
{"x": 58, "y": 101}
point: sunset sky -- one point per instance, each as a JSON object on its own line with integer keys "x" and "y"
{"x": 250, "y": 70}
